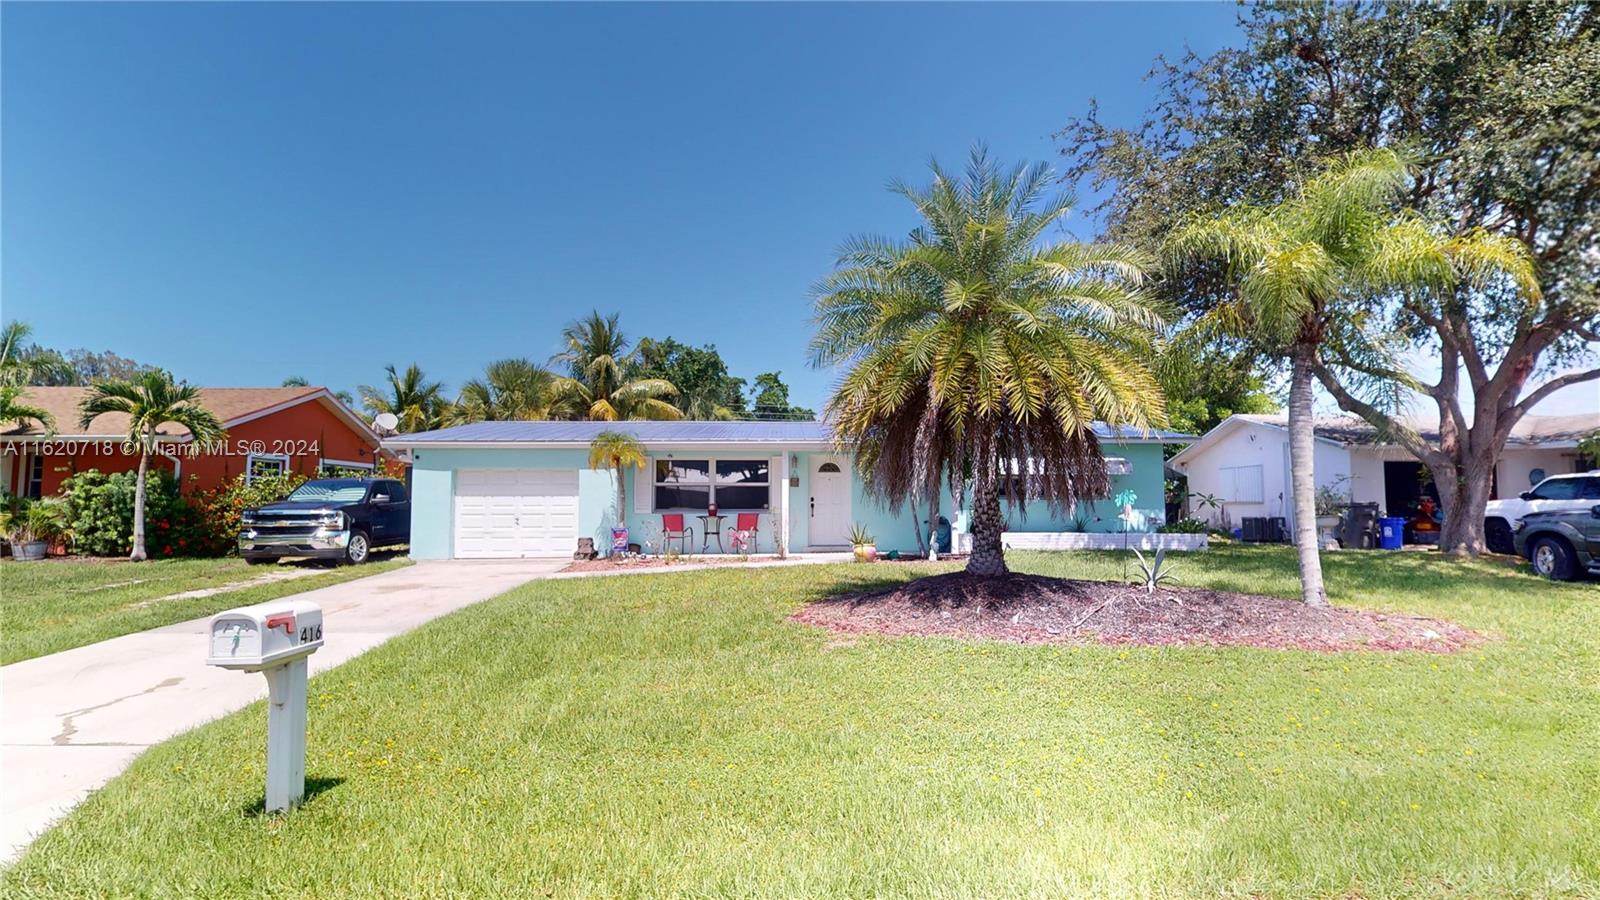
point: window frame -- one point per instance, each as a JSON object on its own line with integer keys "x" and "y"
{"x": 324, "y": 464}
{"x": 250, "y": 464}
{"x": 710, "y": 483}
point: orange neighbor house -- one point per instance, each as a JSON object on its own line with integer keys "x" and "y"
{"x": 270, "y": 430}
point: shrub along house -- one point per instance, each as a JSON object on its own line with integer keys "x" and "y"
{"x": 525, "y": 489}
{"x": 305, "y": 430}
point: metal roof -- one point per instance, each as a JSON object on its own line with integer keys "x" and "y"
{"x": 679, "y": 432}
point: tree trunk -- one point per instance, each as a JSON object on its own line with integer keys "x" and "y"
{"x": 926, "y": 476}
{"x": 916, "y": 525}
{"x": 1461, "y": 535}
{"x": 1302, "y": 476}
{"x": 622, "y": 495}
{"x": 138, "y": 553}
{"x": 988, "y": 553}
{"x": 933, "y": 519}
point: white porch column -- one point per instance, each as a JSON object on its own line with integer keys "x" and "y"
{"x": 783, "y": 505}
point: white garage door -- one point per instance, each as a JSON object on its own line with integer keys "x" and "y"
{"x": 511, "y": 513}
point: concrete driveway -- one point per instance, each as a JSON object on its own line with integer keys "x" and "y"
{"x": 73, "y": 720}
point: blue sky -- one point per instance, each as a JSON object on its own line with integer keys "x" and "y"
{"x": 245, "y": 192}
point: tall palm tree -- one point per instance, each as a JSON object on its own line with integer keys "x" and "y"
{"x": 595, "y": 355}
{"x": 976, "y": 347}
{"x": 1297, "y": 265}
{"x": 150, "y": 401}
{"x": 18, "y": 413}
{"x": 511, "y": 390}
{"x": 618, "y": 450}
{"x": 418, "y": 403}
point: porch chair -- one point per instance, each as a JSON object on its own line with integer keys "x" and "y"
{"x": 673, "y": 528}
{"x": 748, "y": 522}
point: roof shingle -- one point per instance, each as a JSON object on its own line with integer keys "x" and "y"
{"x": 226, "y": 403}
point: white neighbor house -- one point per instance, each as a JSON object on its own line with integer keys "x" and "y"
{"x": 1245, "y": 463}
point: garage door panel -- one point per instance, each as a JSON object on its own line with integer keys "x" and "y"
{"x": 512, "y": 513}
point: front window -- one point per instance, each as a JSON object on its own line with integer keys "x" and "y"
{"x": 732, "y": 484}
{"x": 329, "y": 492}
{"x": 265, "y": 465}
{"x": 683, "y": 483}
{"x": 34, "y": 488}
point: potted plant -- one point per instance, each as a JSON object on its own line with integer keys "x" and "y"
{"x": 1331, "y": 502}
{"x": 863, "y": 542}
{"x": 50, "y": 523}
{"x": 18, "y": 525}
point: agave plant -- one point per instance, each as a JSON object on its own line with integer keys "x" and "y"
{"x": 1155, "y": 570}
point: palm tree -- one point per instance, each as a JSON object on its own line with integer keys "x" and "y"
{"x": 595, "y": 356}
{"x": 150, "y": 401}
{"x": 22, "y": 364}
{"x": 618, "y": 450}
{"x": 1295, "y": 267}
{"x": 19, "y": 414}
{"x": 511, "y": 390}
{"x": 973, "y": 347}
{"x": 418, "y": 403}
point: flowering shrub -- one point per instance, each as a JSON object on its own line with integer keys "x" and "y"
{"x": 220, "y": 509}
{"x": 100, "y": 515}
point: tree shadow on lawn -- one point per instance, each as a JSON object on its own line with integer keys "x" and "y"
{"x": 314, "y": 787}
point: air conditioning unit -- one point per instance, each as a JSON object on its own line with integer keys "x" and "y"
{"x": 1264, "y": 529}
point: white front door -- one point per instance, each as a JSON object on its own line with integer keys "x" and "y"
{"x": 513, "y": 513}
{"x": 830, "y": 502}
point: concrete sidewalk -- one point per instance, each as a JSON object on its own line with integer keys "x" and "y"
{"x": 71, "y": 721}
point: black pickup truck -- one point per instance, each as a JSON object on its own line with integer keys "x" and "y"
{"x": 342, "y": 519}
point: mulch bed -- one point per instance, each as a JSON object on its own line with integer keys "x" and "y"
{"x": 1034, "y": 609}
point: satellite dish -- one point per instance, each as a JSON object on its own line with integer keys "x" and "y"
{"x": 386, "y": 422}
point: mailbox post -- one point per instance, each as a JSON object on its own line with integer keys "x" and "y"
{"x": 275, "y": 638}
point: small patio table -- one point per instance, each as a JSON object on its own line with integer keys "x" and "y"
{"x": 712, "y": 527}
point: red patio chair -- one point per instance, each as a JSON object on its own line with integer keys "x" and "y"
{"x": 747, "y": 522}
{"x": 673, "y": 528}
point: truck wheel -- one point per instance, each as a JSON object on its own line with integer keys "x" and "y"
{"x": 259, "y": 560}
{"x": 1552, "y": 558}
{"x": 357, "y": 551}
{"x": 1497, "y": 535}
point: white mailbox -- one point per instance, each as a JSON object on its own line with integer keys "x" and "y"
{"x": 252, "y": 638}
{"x": 274, "y": 638}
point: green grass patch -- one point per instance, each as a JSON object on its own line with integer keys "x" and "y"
{"x": 674, "y": 734}
{"x": 58, "y": 604}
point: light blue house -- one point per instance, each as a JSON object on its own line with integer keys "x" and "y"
{"x": 525, "y": 489}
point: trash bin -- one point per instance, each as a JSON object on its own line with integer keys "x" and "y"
{"x": 1360, "y": 526}
{"x": 1391, "y": 532}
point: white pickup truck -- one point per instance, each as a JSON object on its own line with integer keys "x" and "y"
{"x": 1558, "y": 493}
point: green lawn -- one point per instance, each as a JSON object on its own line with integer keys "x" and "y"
{"x": 673, "y": 734}
{"x": 59, "y": 604}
